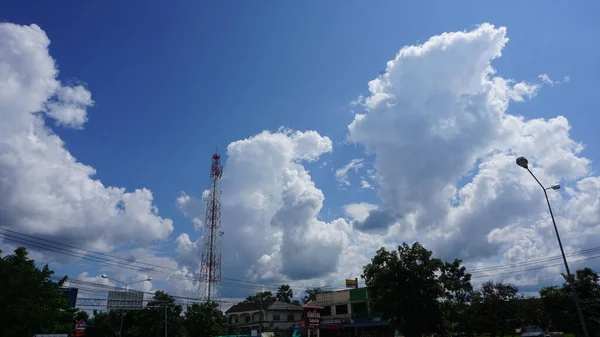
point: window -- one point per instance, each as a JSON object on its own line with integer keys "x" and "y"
{"x": 276, "y": 318}
{"x": 341, "y": 309}
{"x": 327, "y": 311}
{"x": 290, "y": 318}
{"x": 247, "y": 319}
{"x": 359, "y": 309}
{"x": 235, "y": 320}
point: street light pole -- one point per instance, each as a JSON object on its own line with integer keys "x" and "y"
{"x": 126, "y": 284}
{"x": 522, "y": 161}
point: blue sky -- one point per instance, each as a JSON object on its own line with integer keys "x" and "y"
{"x": 173, "y": 81}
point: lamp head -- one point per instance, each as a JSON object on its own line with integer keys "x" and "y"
{"x": 103, "y": 276}
{"x": 149, "y": 279}
{"x": 555, "y": 187}
{"x": 522, "y": 161}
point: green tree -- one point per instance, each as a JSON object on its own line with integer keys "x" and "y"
{"x": 205, "y": 320}
{"x": 285, "y": 293}
{"x": 149, "y": 321}
{"x": 264, "y": 296}
{"x": 156, "y": 308}
{"x": 497, "y": 308}
{"x": 105, "y": 324}
{"x": 404, "y": 287}
{"x": 456, "y": 283}
{"x": 30, "y": 302}
{"x": 311, "y": 294}
{"x": 530, "y": 312}
{"x": 81, "y": 315}
{"x": 560, "y": 305}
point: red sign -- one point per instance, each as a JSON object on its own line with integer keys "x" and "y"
{"x": 312, "y": 315}
{"x": 80, "y": 328}
{"x": 312, "y": 318}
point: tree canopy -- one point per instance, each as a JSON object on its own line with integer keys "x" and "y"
{"x": 408, "y": 275}
{"x": 311, "y": 294}
{"x": 199, "y": 320}
{"x": 264, "y": 296}
{"x": 30, "y": 302}
{"x": 431, "y": 296}
{"x": 285, "y": 293}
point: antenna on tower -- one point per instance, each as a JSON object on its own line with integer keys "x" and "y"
{"x": 210, "y": 268}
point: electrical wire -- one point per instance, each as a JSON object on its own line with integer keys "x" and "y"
{"x": 111, "y": 260}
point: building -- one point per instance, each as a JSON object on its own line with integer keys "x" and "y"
{"x": 274, "y": 316}
{"x": 347, "y": 314}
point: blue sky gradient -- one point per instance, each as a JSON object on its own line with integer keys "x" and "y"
{"x": 173, "y": 81}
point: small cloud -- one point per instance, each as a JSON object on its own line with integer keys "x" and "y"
{"x": 364, "y": 184}
{"x": 566, "y": 79}
{"x": 523, "y": 90}
{"x": 342, "y": 173}
{"x": 546, "y": 79}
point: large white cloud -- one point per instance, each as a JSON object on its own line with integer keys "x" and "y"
{"x": 445, "y": 147}
{"x": 270, "y": 210}
{"x": 438, "y": 124}
{"x": 44, "y": 190}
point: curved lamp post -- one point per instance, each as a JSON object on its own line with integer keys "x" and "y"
{"x": 126, "y": 284}
{"x": 522, "y": 161}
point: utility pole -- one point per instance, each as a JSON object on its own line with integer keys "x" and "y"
{"x": 166, "y": 320}
{"x": 260, "y": 314}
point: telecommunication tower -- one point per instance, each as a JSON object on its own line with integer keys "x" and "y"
{"x": 210, "y": 268}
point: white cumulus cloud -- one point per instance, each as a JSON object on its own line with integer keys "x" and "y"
{"x": 44, "y": 190}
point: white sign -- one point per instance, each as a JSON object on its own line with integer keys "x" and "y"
{"x": 254, "y": 333}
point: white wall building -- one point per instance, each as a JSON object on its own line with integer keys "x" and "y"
{"x": 274, "y": 316}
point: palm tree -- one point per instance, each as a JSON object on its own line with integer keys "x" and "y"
{"x": 285, "y": 293}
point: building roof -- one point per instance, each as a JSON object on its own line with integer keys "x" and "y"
{"x": 272, "y": 305}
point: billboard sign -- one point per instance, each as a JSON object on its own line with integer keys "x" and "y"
{"x": 352, "y": 283}
{"x": 71, "y": 294}
{"x": 125, "y": 300}
{"x": 312, "y": 315}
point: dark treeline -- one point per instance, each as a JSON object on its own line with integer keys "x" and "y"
{"x": 419, "y": 294}
{"x": 31, "y": 304}
{"x": 414, "y": 292}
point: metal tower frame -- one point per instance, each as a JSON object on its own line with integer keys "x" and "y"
{"x": 210, "y": 267}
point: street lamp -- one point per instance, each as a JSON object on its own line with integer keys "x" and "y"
{"x": 126, "y": 284}
{"x": 523, "y": 162}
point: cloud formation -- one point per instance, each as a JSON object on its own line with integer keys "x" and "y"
{"x": 44, "y": 190}
{"x": 439, "y": 128}
{"x": 438, "y": 124}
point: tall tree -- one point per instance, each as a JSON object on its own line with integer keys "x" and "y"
{"x": 81, "y": 315}
{"x": 285, "y": 293}
{"x": 311, "y": 294}
{"x": 205, "y": 320}
{"x": 161, "y": 302}
{"x": 498, "y": 307}
{"x": 560, "y": 305}
{"x": 264, "y": 296}
{"x": 30, "y": 302}
{"x": 404, "y": 287}
{"x": 456, "y": 283}
{"x": 149, "y": 321}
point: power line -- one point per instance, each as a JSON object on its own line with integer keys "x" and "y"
{"x": 243, "y": 284}
{"x": 531, "y": 262}
{"x": 538, "y": 268}
{"x": 106, "y": 260}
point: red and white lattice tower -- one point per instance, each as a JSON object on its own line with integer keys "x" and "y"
{"x": 210, "y": 267}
